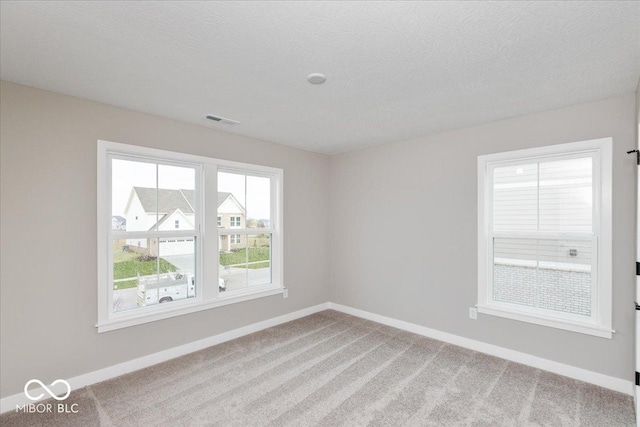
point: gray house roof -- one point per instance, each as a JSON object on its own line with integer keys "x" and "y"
{"x": 170, "y": 200}
{"x": 222, "y": 197}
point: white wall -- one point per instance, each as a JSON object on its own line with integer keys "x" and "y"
{"x": 48, "y": 221}
{"x": 420, "y": 266}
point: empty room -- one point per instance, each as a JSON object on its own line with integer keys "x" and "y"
{"x": 319, "y": 213}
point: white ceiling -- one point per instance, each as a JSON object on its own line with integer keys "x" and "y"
{"x": 396, "y": 70}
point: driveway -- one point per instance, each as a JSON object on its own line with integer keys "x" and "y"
{"x": 125, "y": 299}
{"x": 238, "y": 277}
{"x": 184, "y": 263}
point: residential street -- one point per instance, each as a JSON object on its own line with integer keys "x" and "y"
{"x": 237, "y": 278}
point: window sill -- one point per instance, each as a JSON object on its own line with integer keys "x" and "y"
{"x": 141, "y": 318}
{"x": 567, "y": 325}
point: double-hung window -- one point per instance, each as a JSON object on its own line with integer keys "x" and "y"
{"x": 170, "y": 251}
{"x": 245, "y": 195}
{"x": 544, "y": 236}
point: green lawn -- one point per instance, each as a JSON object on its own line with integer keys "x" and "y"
{"x": 239, "y": 257}
{"x": 131, "y": 268}
{"x": 119, "y": 255}
{"x": 258, "y": 265}
{"x": 126, "y": 284}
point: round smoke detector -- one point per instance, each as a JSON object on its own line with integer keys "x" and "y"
{"x": 316, "y": 78}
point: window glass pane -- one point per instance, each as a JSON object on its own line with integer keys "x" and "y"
{"x": 177, "y": 279}
{"x": 231, "y": 199}
{"x": 133, "y": 195}
{"x": 551, "y": 274}
{"x": 245, "y": 260}
{"x": 564, "y": 275}
{"x": 176, "y": 198}
{"x": 259, "y": 254}
{"x": 244, "y": 201}
{"x": 566, "y": 195}
{"x": 515, "y": 271}
{"x": 258, "y": 202}
{"x": 233, "y": 262}
{"x": 515, "y": 198}
{"x": 134, "y": 262}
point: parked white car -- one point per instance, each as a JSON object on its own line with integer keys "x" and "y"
{"x": 168, "y": 287}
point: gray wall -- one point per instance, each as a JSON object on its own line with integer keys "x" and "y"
{"x": 404, "y": 231}
{"x": 48, "y": 222}
{"x": 402, "y": 240}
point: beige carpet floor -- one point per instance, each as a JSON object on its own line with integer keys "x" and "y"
{"x": 331, "y": 369}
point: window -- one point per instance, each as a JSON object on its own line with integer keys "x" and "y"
{"x": 153, "y": 266}
{"x": 544, "y": 236}
{"x": 248, "y": 198}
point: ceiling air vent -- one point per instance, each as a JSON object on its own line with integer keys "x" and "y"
{"x": 222, "y": 119}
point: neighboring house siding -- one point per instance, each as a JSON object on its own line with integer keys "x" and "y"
{"x": 227, "y": 209}
{"x": 136, "y": 216}
{"x": 178, "y": 205}
{"x": 225, "y": 244}
{"x": 226, "y": 220}
{"x": 137, "y": 220}
{"x": 185, "y": 222}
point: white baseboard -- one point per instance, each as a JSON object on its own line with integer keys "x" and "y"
{"x": 9, "y": 403}
{"x": 606, "y": 381}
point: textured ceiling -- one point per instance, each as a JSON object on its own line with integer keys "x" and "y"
{"x": 396, "y": 70}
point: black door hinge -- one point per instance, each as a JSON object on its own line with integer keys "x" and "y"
{"x": 637, "y": 155}
{"x": 637, "y": 378}
{"x": 637, "y": 268}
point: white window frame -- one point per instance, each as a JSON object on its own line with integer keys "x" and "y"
{"x": 600, "y": 323}
{"x": 206, "y": 251}
{"x": 235, "y": 221}
{"x": 219, "y": 221}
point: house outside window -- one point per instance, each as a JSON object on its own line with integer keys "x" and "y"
{"x": 248, "y": 247}
{"x": 153, "y": 208}
{"x": 544, "y": 236}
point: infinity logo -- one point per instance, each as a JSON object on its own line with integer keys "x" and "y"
{"x": 47, "y": 389}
